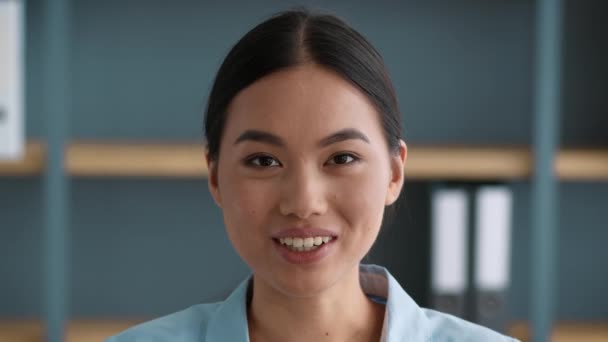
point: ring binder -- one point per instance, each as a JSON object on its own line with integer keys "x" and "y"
{"x": 449, "y": 250}
{"x": 11, "y": 80}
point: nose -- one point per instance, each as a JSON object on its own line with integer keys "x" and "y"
{"x": 303, "y": 194}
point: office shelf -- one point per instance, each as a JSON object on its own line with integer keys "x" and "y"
{"x": 98, "y": 330}
{"x": 565, "y": 331}
{"x": 173, "y": 160}
{"x": 526, "y": 71}
{"x": 186, "y": 160}
{"x": 468, "y": 163}
{"x": 582, "y": 164}
{"x": 20, "y": 330}
{"x": 77, "y": 330}
{"x": 31, "y": 164}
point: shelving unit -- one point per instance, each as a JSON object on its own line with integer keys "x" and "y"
{"x": 98, "y": 330}
{"x": 59, "y": 161}
{"x": 582, "y": 165}
{"x": 76, "y": 331}
{"x": 186, "y": 160}
{"x": 565, "y": 332}
{"x": 178, "y": 160}
{"x": 32, "y": 164}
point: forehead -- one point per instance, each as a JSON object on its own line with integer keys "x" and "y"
{"x": 301, "y": 102}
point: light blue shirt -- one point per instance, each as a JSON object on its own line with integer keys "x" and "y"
{"x": 226, "y": 321}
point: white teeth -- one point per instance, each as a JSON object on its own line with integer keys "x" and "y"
{"x": 304, "y": 244}
{"x": 298, "y": 242}
{"x": 309, "y": 242}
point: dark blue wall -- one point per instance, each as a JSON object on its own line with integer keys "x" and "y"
{"x": 142, "y": 69}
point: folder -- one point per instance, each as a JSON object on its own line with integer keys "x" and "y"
{"x": 493, "y": 216}
{"x": 449, "y": 254}
{"x": 11, "y": 79}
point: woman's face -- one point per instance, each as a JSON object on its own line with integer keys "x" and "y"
{"x": 303, "y": 161}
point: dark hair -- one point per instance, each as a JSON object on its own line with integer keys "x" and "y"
{"x": 296, "y": 37}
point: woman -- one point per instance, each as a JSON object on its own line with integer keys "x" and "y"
{"x": 304, "y": 153}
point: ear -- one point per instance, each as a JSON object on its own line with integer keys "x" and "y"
{"x": 212, "y": 180}
{"x": 397, "y": 162}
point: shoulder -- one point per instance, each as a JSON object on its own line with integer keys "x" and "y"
{"x": 186, "y": 325}
{"x": 446, "y": 328}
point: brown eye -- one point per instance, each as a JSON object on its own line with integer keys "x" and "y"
{"x": 262, "y": 161}
{"x": 343, "y": 158}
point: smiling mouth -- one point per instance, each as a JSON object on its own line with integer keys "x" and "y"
{"x": 304, "y": 244}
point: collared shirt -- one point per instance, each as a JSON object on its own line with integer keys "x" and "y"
{"x": 225, "y": 321}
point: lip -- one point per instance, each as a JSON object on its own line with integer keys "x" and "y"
{"x": 304, "y": 233}
{"x": 305, "y": 257}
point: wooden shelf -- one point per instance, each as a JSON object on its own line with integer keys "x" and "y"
{"x": 77, "y": 331}
{"x": 31, "y": 164}
{"x": 98, "y": 330}
{"x": 565, "y": 332}
{"x": 582, "y": 164}
{"x": 21, "y": 331}
{"x": 468, "y": 163}
{"x": 186, "y": 160}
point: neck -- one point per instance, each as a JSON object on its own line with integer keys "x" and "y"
{"x": 340, "y": 313}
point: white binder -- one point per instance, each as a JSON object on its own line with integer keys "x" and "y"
{"x": 11, "y": 79}
{"x": 449, "y": 250}
{"x": 493, "y": 216}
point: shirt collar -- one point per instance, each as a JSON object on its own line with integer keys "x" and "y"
{"x": 403, "y": 318}
{"x": 229, "y": 322}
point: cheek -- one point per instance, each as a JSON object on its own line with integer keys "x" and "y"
{"x": 243, "y": 198}
{"x": 246, "y": 207}
{"x": 361, "y": 203}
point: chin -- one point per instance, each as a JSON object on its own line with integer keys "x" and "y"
{"x": 300, "y": 284}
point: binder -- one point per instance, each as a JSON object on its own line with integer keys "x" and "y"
{"x": 11, "y": 79}
{"x": 493, "y": 216}
{"x": 449, "y": 250}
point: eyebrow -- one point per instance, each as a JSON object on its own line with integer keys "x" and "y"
{"x": 269, "y": 138}
{"x": 342, "y": 135}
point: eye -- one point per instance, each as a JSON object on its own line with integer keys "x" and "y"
{"x": 343, "y": 158}
{"x": 262, "y": 161}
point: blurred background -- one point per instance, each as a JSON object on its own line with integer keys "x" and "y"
{"x": 143, "y": 236}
